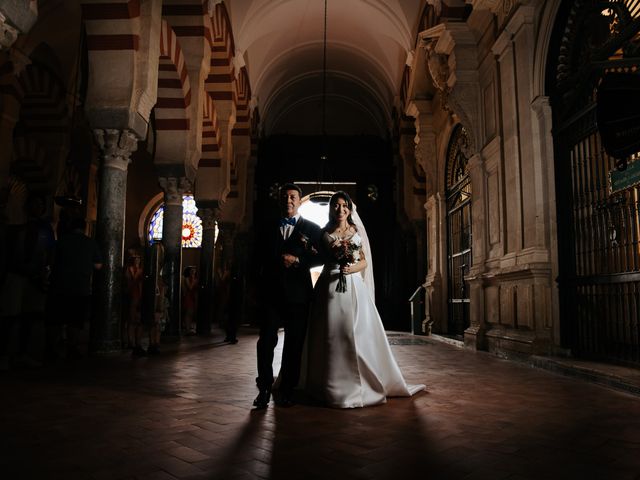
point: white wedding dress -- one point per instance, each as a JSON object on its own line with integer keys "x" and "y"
{"x": 348, "y": 359}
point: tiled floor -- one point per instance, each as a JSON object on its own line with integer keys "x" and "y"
{"x": 187, "y": 414}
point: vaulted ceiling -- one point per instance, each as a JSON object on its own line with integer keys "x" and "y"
{"x": 281, "y": 43}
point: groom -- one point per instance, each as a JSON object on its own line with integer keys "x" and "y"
{"x": 287, "y": 247}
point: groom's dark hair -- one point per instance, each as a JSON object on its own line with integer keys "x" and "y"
{"x": 290, "y": 186}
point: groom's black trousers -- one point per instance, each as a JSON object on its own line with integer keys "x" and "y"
{"x": 293, "y": 317}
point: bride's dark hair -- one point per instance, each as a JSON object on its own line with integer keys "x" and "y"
{"x": 333, "y": 222}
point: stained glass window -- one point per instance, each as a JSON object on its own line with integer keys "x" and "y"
{"x": 191, "y": 224}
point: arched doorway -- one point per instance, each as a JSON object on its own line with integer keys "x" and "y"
{"x": 458, "y": 193}
{"x": 598, "y": 217}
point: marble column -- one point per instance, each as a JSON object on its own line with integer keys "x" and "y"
{"x": 208, "y": 211}
{"x": 174, "y": 188}
{"x": 116, "y": 147}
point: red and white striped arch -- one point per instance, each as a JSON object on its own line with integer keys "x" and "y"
{"x": 219, "y": 84}
{"x": 242, "y": 98}
{"x": 42, "y": 98}
{"x": 210, "y": 157}
{"x": 31, "y": 162}
{"x": 39, "y": 96}
{"x": 110, "y": 25}
{"x": 174, "y": 91}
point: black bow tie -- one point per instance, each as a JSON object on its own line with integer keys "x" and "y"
{"x": 288, "y": 221}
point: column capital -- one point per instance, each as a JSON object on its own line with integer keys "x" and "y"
{"x": 174, "y": 188}
{"x": 540, "y": 105}
{"x": 116, "y": 147}
{"x": 16, "y": 17}
{"x": 208, "y": 212}
{"x": 8, "y": 34}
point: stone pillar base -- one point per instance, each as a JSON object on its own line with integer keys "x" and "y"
{"x": 510, "y": 343}
{"x": 475, "y": 337}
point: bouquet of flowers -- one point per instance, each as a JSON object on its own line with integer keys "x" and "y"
{"x": 343, "y": 251}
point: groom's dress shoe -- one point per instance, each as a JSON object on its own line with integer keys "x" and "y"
{"x": 262, "y": 400}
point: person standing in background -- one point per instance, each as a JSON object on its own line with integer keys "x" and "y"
{"x": 190, "y": 287}
{"x": 134, "y": 279}
{"x": 76, "y": 257}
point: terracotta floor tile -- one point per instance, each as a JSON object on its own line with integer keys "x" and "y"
{"x": 187, "y": 414}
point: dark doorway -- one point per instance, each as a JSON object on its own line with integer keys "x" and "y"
{"x": 458, "y": 233}
{"x": 367, "y": 162}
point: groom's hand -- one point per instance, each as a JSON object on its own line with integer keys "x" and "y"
{"x": 289, "y": 260}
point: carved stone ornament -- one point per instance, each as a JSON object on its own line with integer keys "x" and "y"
{"x": 174, "y": 188}
{"x": 116, "y": 147}
{"x": 425, "y": 154}
{"x": 451, "y": 60}
{"x": 438, "y": 67}
{"x": 8, "y": 34}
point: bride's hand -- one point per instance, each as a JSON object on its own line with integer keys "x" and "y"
{"x": 346, "y": 269}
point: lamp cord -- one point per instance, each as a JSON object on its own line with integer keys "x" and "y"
{"x": 324, "y": 73}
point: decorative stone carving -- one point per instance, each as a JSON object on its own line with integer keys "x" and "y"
{"x": 174, "y": 188}
{"x": 452, "y": 63}
{"x": 116, "y": 147}
{"x": 16, "y": 17}
{"x": 8, "y": 34}
{"x": 438, "y": 66}
{"x": 425, "y": 142}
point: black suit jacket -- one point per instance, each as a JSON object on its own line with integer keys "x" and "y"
{"x": 277, "y": 283}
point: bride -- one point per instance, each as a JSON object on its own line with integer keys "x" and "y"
{"x": 349, "y": 361}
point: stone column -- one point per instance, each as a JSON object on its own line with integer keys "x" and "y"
{"x": 435, "y": 296}
{"x": 427, "y": 158}
{"x": 174, "y": 187}
{"x": 208, "y": 211}
{"x": 116, "y": 147}
{"x": 474, "y": 335}
{"x": 543, "y": 145}
{"x": 512, "y": 175}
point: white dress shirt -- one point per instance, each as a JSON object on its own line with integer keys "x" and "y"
{"x": 287, "y": 230}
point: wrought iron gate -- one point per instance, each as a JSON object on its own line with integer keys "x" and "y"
{"x": 458, "y": 233}
{"x": 599, "y": 229}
